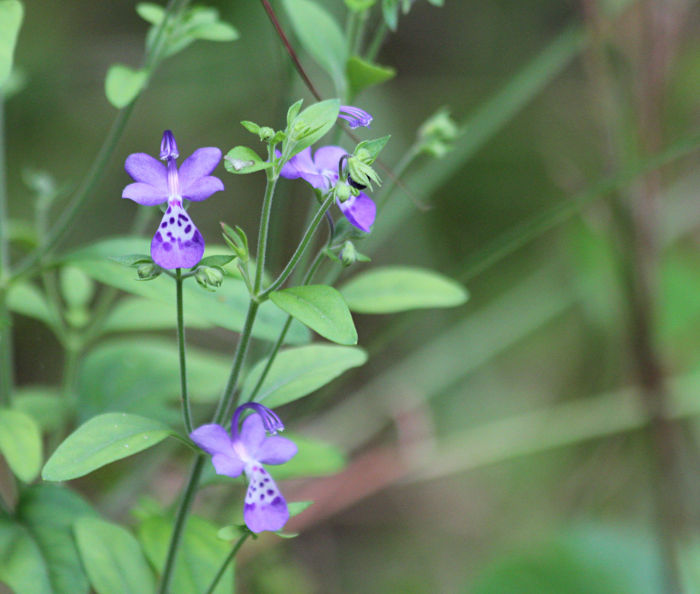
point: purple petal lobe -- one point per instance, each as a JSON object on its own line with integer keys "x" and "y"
{"x": 212, "y": 438}
{"x": 327, "y": 158}
{"x": 298, "y": 164}
{"x": 264, "y": 508}
{"x": 203, "y": 188}
{"x": 276, "y": 450}
{"x": 228, "y": 464}
{"x": 146, "y": 169}
{"x": 252, "y": 433}
{"x": 360, "y": 211}
{"x": 177, "y": 243}
{"x": 145, "y": 194}
{"x": 199, "y": 164}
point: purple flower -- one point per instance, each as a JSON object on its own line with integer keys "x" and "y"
{"x": 177, "y": 243}
{"x": 321, "y": 172}
{"x": 265, "y": 507}
{"x": 355, "y": 116}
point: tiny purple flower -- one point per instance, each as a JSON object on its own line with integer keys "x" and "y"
{"x": 177, "y": 243}
{"x": 355, "y": 116}
{"x": 265, "y": 508}
{"x": 321, "y": 172}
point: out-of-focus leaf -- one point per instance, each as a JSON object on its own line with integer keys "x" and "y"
{"x": 48, "y": 512}
{"x": 399, "y": 288}
{"x": 112, "y": 557}
{"x": 299, "y": 371}
{"x": 43, "y": 404}
{"x": 27, "y": 300}
{"x": 20, "y": 443}
{"x": 123, "y": 84}
{"x": 22, "y": 566}
{"x": 199, "y": 557}
{"x": 135, "y": 314}
{"x": 100, "y": 441}
{"x": 321, "y": 308}
{"x": 363, "y": 74}
{"x": 314, "y": 458}
{"x": 320, "y": 36}
{"x": 11, "y": 13}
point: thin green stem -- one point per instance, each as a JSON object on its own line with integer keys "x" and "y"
{"x": 408, "y": 158}
{"x": 376, "y": 43}
{"x": 186, "y": 410}
{"x": 279, "y": 281}
{"x": 6, "y": 364}
{"x": 264, "y": 227}
{"x": 225, "y": 564}
{"x": 351, "y": 27}
{"x": 180, "y": 520}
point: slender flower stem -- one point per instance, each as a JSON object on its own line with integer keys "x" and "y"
{"x": 300, "y": 248}
{"x": 377, "y": 40}
{"x": 180, "y": 520}
{"x": 6, "y": 364}
{"x": 272, "y": 177}
{"x": 186, "y": 410}
{"x": 225, "y": 564}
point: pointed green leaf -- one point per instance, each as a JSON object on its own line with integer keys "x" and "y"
{"x": 218, "y": 31}
{"x": 123, "y": 84}
{"x": 321, "y": 308}
{"x": 112, "y": 557}
{"x": 396, "y": 288}
{"x": 242, "y": 159}
{"x": 26, "y": 299}
{"x": 22, "y": 567}
{"x": 103, "y": 439}
{"x": 11, "y": 13}
{"x": 297, "y": 372}
{"x": 49, "y": 512}
{"x": 20, "y": 443}
{"x": 311, "y": 125}
{"x": 150, "y": 12}
{"x": 363, "y": 74}
{"x": 320, "y": 36}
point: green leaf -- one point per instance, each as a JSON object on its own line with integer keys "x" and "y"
{"x": 314, "y": 458}
{"x": 100, "y": 441}
{"x": 112, "y": 557}
{"x": 299, "y": 371}
{"x": 141, "y": 376}
{"x": 311, "y": 125}
{"x": 296, "y": 507}
{"x": 152, "y": 13}
{"x": 226, "y": 308}
{"x": 363, "y": 74}
{"x": 218, "y": 31}
{"x": 359, "y": 5}
{"x": 136, "y": 314}
{"x": 372, "y": 147}
{"x": 44, "y": 405}
{"x": 20, "y": 443}
{"x": 396, "y": 288}
{"x": 22, "y": 567}
{"x": 77, "y": 288}
{"x": 321, "y": 308}
{"x": 216, "y": 260}
{"x": 48, "y": 512}
{"x": 242, "y": 159}
{"x": 123, "y": 84}
{"x": 390, "y": 12}
{"x": 27, "y": 300}
{"x": 199, "y": 557}
{"x": 11, "y": 13}
{"x": 320, "y": 36}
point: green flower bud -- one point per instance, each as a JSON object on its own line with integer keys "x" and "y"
{"x": 148, "y": 271}
{"x": 209, "y": 277}
{"x": 343, "y": 191}
{"x": 361, "y": 172}
{"x": 349, "y": 254}
{"x": 266, "y": 133}
{"x": 437, "y": 133}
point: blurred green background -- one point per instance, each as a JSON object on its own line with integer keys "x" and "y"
{"x": 502, "y": 446}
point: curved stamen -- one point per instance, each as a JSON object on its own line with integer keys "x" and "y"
{"x": 271, "y": 422}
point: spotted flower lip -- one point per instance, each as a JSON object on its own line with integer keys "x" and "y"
{"x": 321, "y": 171}
{"x": 355, "y": 116}
{"x": 177, "y": 243}
{"x": 246, "y": 451}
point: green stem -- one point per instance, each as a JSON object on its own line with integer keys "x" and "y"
{"x": 300, "y": 248}
{"x": 225, "y": 564}
{"x": 186, "y": 410}
{"x": 180, "y": 520}
{"x": 6, "y": 365}
{"x": 399, "y": 170}
{"x": 264, "y": 225}
{"x": 376, "y": 43}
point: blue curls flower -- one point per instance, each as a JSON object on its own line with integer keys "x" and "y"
{"x": 246, "y": 451}
{"x": 177, "y": 243}
{"x": 355, "y": 116}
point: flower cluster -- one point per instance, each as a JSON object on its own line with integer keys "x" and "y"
{"x": 177, "y": 243}
{"x": 246, "y": 451}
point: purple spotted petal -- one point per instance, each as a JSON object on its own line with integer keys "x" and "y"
{"x": 145, "y": 194}
{"x": 177, "y": 243}
{"x": 360, "y": 211}
{"x": 275, "y": 450}
{"x": 199, "y": 164}
{"x": 146, "y": 169}
{"x": 327, "y": 158}
{"x": 203, "y": 188}
{"x": 212, "y": 438}
{"x": 252, "y": 433}
{"x": 265, "y": 507}
{"x": 228, "y": 464}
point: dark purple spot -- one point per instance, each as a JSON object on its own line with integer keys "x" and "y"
{"x": 249, "y": 506}
{"x": 167, "y": 246}
{"x": 182, "y": 216}
{"x": 262, "y": 496}
{"x": 170, "y": 235}
{"x": 261, "y": 484}
{"x": 188, "y": 243}
{"x": 277, "y": 501}
{"x": 164, "y": 224}
{"x": 170, "y": 208}
{"x": 188, "y": 228}
{"x": 158, "y": 236}
{"x": 179, "y": 224}
{"x": 270, "y": 492}
{"x": 172, "y": 220}
{"x": 267, "y": 479}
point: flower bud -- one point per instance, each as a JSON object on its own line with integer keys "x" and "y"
{"x": 342, "y": 191}
{"x": 349, "y": 254}
{"x": 168, "y": 146}
{"x": 148, "y": 271}
{"x": 266, "y": 133}
{"x": 209, "y": 277}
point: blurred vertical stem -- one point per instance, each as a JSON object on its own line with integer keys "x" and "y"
{"x": 376, "y": 43}
{"x": 225, "y": 564}
{"x": 636, "y": 216}
{"x": 6, "y": 364}
{"x": 186, "y": 410}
